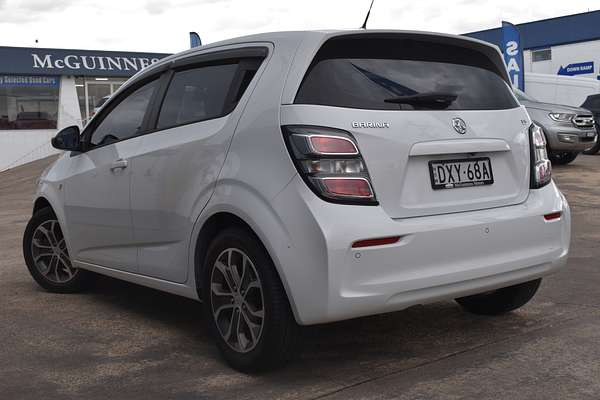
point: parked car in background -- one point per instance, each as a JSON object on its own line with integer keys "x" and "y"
{"x": 299, "y": 178}
{"x": 569, "y": 130}
{"x": 592, "y": 103}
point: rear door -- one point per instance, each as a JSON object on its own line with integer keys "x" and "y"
{"x": 434, "y": 118}
{"x": 179, "y": 161}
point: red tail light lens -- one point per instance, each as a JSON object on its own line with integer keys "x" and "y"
{"x": 552, "y": 216}
{"x": 356, "y": 187}
{"x": 332, "y": 145}
{"x": 375, "y": 242}
{"x": 541, "y": 168}
{"x": 330, "y": 163}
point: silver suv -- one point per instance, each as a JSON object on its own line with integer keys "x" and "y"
{"x": 569, "y": 130}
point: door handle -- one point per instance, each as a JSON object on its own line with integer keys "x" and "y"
{"x": 118, "y": 165}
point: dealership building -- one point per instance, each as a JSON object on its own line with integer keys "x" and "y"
{"x": 568, "y": 45}
{"x": 44, "y": 90}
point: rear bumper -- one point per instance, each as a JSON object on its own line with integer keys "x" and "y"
{"x": 439, "y": 257}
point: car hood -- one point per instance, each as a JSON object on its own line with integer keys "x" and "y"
{"x": 557, "y": 108}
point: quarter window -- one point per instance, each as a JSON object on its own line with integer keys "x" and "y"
{"x": 197, "y": 94}
{"x": 125, "y": 120}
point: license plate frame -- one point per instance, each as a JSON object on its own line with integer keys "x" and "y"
{"x": 461, "y": 183}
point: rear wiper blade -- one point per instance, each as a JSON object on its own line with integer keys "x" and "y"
{"x": 436, "y": 100}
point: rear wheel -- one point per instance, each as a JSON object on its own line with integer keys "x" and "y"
{"x": 502, "y": 300}
{"x": 250, "y": 316}
{"x": 562, "y": 157}
{"x": 47, "y": 257}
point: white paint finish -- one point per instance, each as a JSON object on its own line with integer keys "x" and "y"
{"x": 453, "y": 146}
{"x": 97, "y": 206}
{"x": 401, "y": 181}
{"x": 309, "y": 239}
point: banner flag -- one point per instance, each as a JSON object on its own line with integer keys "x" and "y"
{"x": 513, "y": 54}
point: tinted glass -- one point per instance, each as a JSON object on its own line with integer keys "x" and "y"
{"x": 197, "y": 94}
{"x": 125, "y": 120}
{"x": 592, "y": 103}
{"x": 366, "y": 73}
{"x": 28, "y": 102}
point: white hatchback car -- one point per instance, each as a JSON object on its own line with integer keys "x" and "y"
{"x": 299, "y": 178}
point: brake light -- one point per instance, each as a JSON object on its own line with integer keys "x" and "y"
{"x": 541, "y": 168}
{"x": 552, "y": 216}
{"x": 332, "y": 145}
{"x": 375, "y": 242}
{"x": 356, "y": 187}
{"x": 330, "y": 163}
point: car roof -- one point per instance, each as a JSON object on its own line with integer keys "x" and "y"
{"x": 295, "y": 38}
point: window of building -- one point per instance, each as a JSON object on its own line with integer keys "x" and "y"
{"x": 197, "y": 94}
{"x": 125, "y": 120}
{"x": 28, "y": 102}
{"x": 541, "y": 55}
{"x": 93, "y": 92}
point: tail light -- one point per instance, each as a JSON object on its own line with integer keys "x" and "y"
{"x": 330, "y": 163}
{"x": 541, "y": 169}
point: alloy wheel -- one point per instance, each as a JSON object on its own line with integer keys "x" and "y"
{"x": 49, "y": 252}
{"x": 237, "y": 300}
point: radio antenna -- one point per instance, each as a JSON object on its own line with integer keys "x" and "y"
{"x": 364, "y": 25}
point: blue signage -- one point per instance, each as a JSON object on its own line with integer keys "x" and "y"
{"x": 577, "y": 69}
{"x": 513, "y": 55}
{"x": 21, "y": 81}
{"x": 34, "y": 61}
{"x": 195, "y": 40}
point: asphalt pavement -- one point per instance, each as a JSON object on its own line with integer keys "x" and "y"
{"x": 122, "y": 341}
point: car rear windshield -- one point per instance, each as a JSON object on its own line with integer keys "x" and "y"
{"x": 404, "y": 74}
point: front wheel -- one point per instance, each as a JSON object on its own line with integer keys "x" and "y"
{"x": 250, "y": 316}
{"x": 562, "y": 157}
{"x": 594, "y": 149}
{"x": 502, "y": 300}
{"x": 47, "y": 258}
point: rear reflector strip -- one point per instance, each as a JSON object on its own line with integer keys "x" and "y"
{"x": 376, "y": 242}
{"x": 551, "y": 216}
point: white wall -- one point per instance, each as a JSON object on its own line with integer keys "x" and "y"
{"x": 18, "y": 147}
{"x": 565, "y": 55}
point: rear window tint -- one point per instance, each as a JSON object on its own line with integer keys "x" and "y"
{"x": 365, "y": 72}
{"x": 196, "y": 95}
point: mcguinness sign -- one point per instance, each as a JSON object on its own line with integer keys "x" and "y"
{"x": 22, "y": 61}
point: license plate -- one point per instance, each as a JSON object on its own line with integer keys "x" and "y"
{"x": 451, "y": 174}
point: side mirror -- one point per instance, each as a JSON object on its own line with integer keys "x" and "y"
{"x": 67, "y": 139}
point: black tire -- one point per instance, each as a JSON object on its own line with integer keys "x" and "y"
{"x": 562, "y": 157}
{"x": 593, "y": 150}
{"x": 75, "y": 280}
{"x": 502, "y": 300}
{"x": 278, "y": 340}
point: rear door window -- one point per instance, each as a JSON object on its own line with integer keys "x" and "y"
{"x": 196, "y": 95}
{"x": 394, "y": 74}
